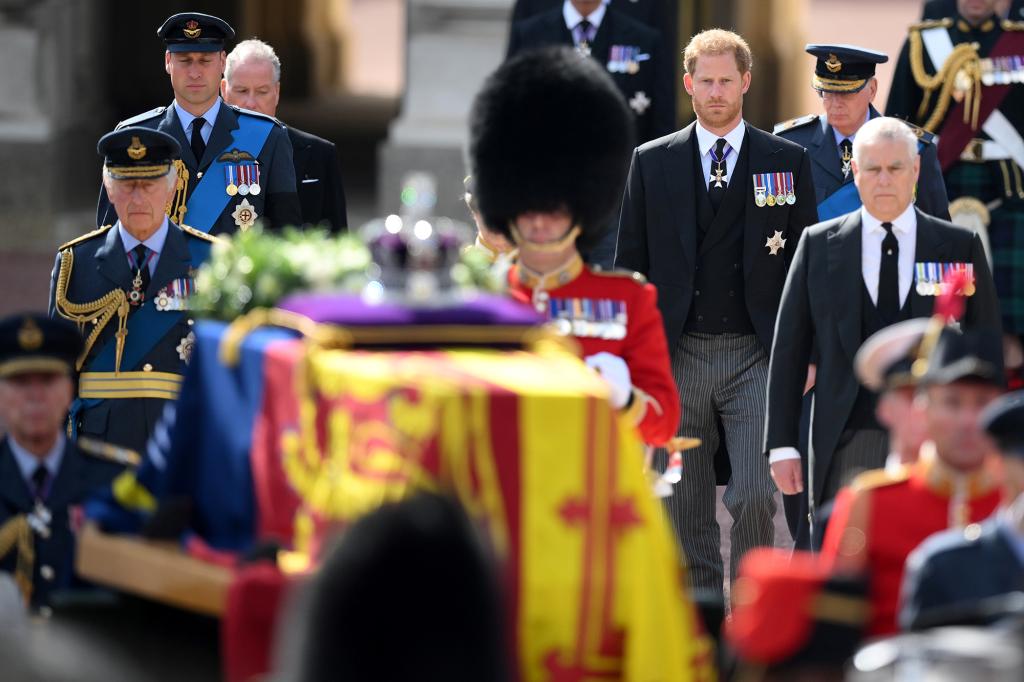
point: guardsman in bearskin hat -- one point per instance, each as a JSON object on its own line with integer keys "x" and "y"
{"x": 127, "y": 286}
{"x": 844, "y": 77}
{"x": 43, "y": 474}
{"x": 236, "y": 165}
{"x": 884, "y": 514}
{"x": 550, "y": 137}
{"x": 962, "y": 78}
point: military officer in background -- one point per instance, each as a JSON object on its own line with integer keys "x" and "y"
{"x": 962, "y": 78}
{"x": 235, "y": 166}
{"x": 43, "y": 474}
{"x": 940, "y": 9}
{"x": 252, "y": 80}
{"x": 844, "y": 76}
{"x": 951, "y": 577}
{"x": 127, "y": 286}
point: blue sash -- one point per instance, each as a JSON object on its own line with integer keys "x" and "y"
{"x": 842, "y": 201}
{"x": 145, "y": 328}
{"x": 208, "y": 199}
{"x": 845, "y": 199}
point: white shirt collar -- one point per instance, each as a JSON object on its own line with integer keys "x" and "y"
{"x": 210, "y": 115}
{"x": 905, "y": 223}
{"x": 573, "y": 17}
{"x": 154, "y": 243}
{"x": 706, "y": 139}
{"x": 27, "y": 462}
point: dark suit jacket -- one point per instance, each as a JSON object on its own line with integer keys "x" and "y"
{"x": 277, "y": 203}
{"x": 827, "y": 167}
{"x": 821, "y": 304}
{"x": 949, "y": 573}
{"x": 653, "y": 13}
{"x": 658, "y": 224}
{"x": 79, "y": 475}
{"x": 100, "y": 265}
{"x": 318, "y": 180}
{"x": 652, "y": 82}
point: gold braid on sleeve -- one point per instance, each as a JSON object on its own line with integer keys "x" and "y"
{"x": 16, "y": 532}
{"x": 101, "y": 311}
{"x": 964, "y": 65}
{"x": 176, "y": 208}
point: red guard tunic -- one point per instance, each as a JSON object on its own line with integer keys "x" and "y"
{"x": 614, "y": 312}
{"x": 883, "y": 516}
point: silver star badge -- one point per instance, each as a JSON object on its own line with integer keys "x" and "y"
{"x": 185, "y": 347}
{"x": 640, "y": 102}
{"x": 776, "y": 243}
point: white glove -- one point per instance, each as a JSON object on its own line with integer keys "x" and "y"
{"x": 613, "y": 369}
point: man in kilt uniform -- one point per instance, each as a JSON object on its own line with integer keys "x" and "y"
{"x": 962, "y": 77}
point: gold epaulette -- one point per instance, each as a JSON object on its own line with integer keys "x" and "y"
{"x": 932, "y": 23}
{"x": 201, "y": 235}
{"x": 622, "y": 273}
{"x": 1009, "y": 25}
{"x": 879, "y": 478}
{"x": 793, "y": 123}
{"x": 108, "y": 451}
{"x": 85, "y": 237}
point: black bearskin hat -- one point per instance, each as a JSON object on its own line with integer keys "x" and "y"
{"x": 550, "y": 130}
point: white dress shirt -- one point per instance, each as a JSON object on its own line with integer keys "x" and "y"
{"x": 872, "y": 234}
{"x": 573, "y": 17}
{"x": 155, "y": 242}
{"x": 209, "y": 116}
{"x": 706, "y": 142}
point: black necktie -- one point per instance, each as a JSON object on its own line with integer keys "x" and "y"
{"x": 40, "y": 477}
{"x": 889, "y": 277}
{"x": 140, "y": 261}
{"x": 846, "y": 156}
{"x": 198, "y": 146}
{"x": 717, "y": 183}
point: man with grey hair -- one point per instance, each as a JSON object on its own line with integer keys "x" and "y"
{"x": 850, "y": 277}
{"x": 252, "y": 80}
{"x": 127, "y": 285}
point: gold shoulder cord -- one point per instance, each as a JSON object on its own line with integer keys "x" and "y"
{"x": 16, "y": 533}
{"x": 100, "y": 310}
{"x": 176, "y": 208}
{"x": 962, "y": 64}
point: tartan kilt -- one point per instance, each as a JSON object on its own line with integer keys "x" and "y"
{"x": 984, "y": 181}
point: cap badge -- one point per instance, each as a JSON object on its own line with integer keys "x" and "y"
{"x": 30, "y": 336}
{"x": 833, "y": 64}
{"x": 192, "y": 29}
{"x": 136, "y": 150}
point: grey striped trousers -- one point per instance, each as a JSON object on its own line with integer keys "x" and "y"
{"x": 721, "y": 378}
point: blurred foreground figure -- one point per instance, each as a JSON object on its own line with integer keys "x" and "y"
{"x": 957, "y": 577}
{"x": 43, "y": 474}
{"x": 409, "y": 593}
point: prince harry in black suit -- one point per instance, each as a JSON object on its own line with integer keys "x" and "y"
{"x": 850, "y": 277}
{"x": 710, "y": 215}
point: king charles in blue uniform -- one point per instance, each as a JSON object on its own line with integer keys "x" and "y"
{"x": 127, "y": 287}
{"x": 43, "y": 474}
